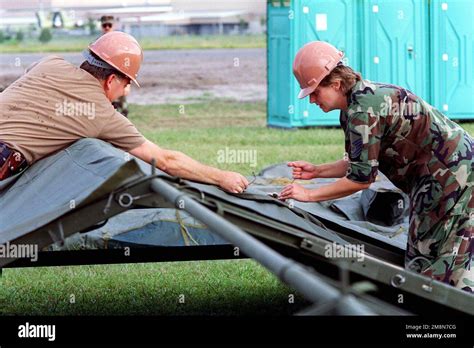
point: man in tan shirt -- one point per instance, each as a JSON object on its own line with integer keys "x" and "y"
{"x": 56, "y": 103}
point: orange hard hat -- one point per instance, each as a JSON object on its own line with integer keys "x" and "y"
{"x": 121, "y": 51}
{"x": 313, "y": 62}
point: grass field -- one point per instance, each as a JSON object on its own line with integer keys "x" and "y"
{"x": 210, "y": 287}
{"x": 77, "y": 44}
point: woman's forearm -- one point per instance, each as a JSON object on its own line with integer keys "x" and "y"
{"x": 336, "y": 169}
{"x": 341, "y": 188}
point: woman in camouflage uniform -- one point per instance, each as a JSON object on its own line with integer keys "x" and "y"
{"x": 420, "y": 150}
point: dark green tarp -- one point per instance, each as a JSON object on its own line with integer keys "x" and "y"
{"x": 91, "y": 168}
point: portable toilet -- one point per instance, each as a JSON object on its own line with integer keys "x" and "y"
{"x": 426, "y": 46}
{"x": 396, "y": 44}
{"x": 452, "y": 52}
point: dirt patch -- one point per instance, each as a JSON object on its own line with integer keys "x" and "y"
{"x": 178, "y": 76}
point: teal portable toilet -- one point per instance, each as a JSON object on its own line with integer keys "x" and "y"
{"x": 452, "y": 68}
{"x": 396, "y": 43}
{"x": 426, "y": 46}
{"x": 278, "y": 64}
{"x": 292, "y": 24}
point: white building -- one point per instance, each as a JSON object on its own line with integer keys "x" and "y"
{"x": 147, "y": 17}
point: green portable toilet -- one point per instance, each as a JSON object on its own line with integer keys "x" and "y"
{"x": 452, "y": 68}
{"x": 395, "y": 43}
{"x": 292, "y": 24}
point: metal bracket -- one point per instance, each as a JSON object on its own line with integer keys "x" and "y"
{"x": 397, "y": 280}
{"x": 219, "y": 208}
{"x": 125, "y": 200}
{"x": 109, "y": 203}
{"x": 57, "y": 235}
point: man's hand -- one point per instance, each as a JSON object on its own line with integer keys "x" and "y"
{"x": 233, "y": 182}
{"x": 303, "y": 170}
{"x": 295, "y": 191}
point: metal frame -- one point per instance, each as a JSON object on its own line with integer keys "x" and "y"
{"x": 148, "y": 192}
{"x": 133, "y": 255}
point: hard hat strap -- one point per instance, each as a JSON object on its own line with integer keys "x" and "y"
{"x": 96, "y": 62}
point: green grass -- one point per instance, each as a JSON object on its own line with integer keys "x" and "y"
{"x": 210, "y": 287}
{"x": 77, "y": 44}
{"x": 206, "y": 128}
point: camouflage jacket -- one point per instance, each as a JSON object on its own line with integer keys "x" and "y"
{"x": 420, "y": 150}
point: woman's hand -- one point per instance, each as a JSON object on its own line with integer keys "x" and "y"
{"x": 295, "y": 191}
{"x": 303, "y": 170}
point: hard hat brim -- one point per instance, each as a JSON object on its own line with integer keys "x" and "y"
{"x": 307, "y": 91}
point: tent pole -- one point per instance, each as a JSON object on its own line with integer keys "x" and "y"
{"x": 303, "y": 280}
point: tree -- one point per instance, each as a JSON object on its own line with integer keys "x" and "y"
{"x": 45, "y": 35}
{"x": 20, "y": 36}
{"x": 92, "y": 25}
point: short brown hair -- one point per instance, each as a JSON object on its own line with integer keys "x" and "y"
{"x": 343, "y": 73}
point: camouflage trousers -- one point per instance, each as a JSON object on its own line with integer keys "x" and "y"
{"x": 121, "y": 105}
{"x": 444, "y": 251}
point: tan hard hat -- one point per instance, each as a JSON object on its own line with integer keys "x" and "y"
{"x": 313, "y": 62}
{"x": 121, "y": 51}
